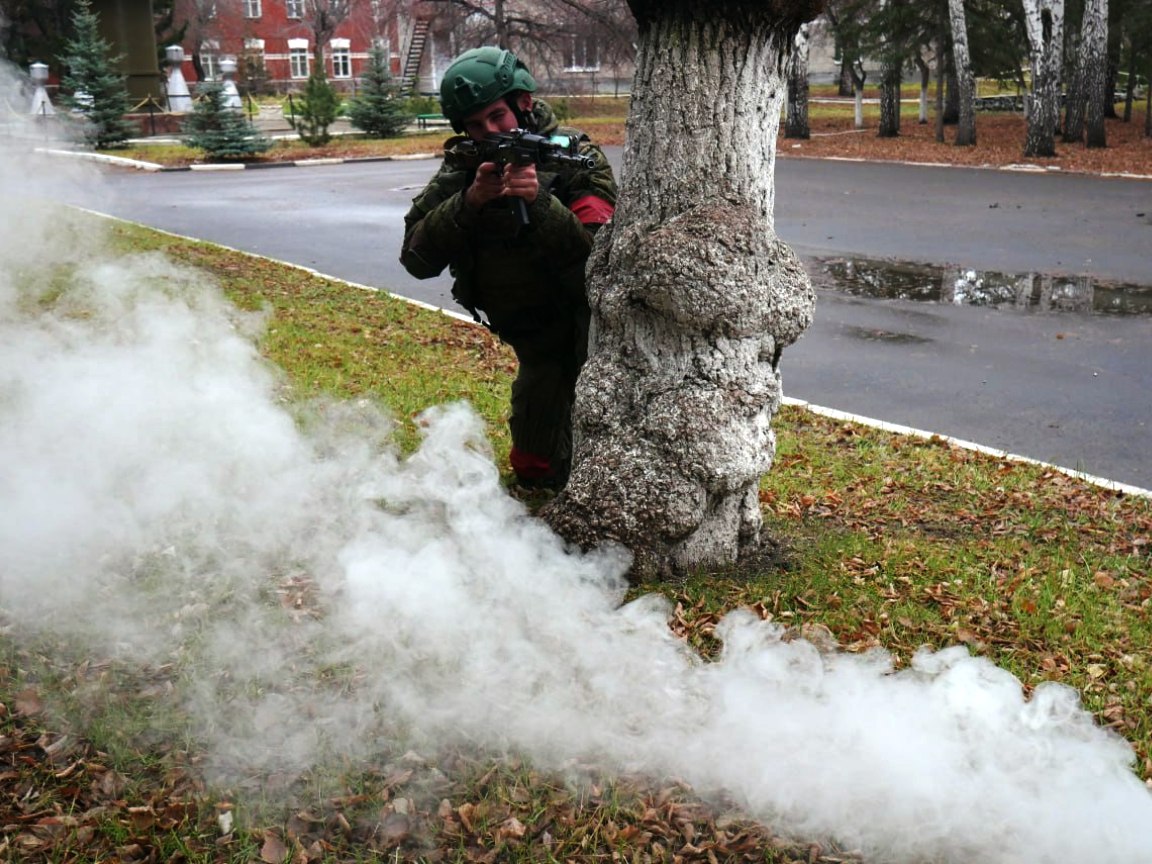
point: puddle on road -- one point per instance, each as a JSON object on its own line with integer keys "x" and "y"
{"x": 871, "y": 334}
{"x": 898, "y": 280}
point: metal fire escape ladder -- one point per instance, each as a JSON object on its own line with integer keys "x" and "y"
{"x": 415, "y": 55}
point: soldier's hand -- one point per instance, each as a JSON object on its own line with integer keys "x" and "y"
{"x": 488, "y": 186}
{"x": 520, "y": 182}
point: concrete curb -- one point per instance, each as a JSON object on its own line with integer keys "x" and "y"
{"x": 789, "y": 401}
{"x": 100, "y": 157}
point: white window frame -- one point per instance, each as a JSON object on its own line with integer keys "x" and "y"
{"x": 252, "y": 9}
{"x": 253, "y": 51}
{"x": 299, "y": 58}
{"x": 210, "y": 59}
{"x": 341, "y": 50}
{"x": 294, "y": 8}
{"x": 579, "y": 55}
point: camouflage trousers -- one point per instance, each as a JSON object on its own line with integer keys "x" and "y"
{"x": 550, "y": 357}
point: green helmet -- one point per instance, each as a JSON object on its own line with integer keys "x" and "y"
{"x": 479, "y": 77}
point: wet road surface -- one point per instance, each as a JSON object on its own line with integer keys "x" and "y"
{"x": 1069, "y": 387}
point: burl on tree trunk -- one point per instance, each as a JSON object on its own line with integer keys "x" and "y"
{"x": 693, "y": 299}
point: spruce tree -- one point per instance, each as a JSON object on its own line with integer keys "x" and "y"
{"x": 377, "y": 109}
{"x": 221, "y": 132}
{"x": 316, "y": 110}
{"x": 94, "y": 86}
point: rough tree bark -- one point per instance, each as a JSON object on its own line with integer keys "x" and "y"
{"x": 1096, "y": 90}
{"x": 891, "y": 77}
{"x": 693, "y": 296}
{"x": 951, "y": 91}
{"x": 1088, "y": 95}
{"x": 889, "y": 102}
{"x": 966, "y": 128}
{"x": 1074, "y": 92}
{"x": 1044, "y": 22}
{"x": 796, "y": 115}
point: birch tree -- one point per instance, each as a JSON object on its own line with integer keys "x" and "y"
{"x": 846, "y": 18}
{"x": 1044, "y": 25}
{"x": 1088, "y": 91}
{"x": 925, "y": 82}
{"x": 796, "y": 114}
{"x": 891, "y": 71}
{"x": 693, "y": 296}
{"x": 1096, "y": 75}
{"x": 966, "y": 129}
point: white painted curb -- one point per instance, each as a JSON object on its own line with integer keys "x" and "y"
{"x": 101, "y": 157}
{"x": 897, "y": 429}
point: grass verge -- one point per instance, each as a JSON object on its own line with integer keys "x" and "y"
{"x": 885, "y": 541}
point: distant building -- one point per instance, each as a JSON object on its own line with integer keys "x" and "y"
{"x": 576, "y": 57}
{"x": 275, "y": 46}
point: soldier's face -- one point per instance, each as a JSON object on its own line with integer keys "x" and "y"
{"x": 495, "y": 118}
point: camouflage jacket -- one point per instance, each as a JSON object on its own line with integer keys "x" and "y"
{"x": 514, "y": 274}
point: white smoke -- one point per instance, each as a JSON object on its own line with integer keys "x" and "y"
{"x": 159, "y": 499}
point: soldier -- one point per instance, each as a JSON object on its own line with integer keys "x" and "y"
{"x": 516, "y": 239}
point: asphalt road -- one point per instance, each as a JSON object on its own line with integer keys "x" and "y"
{"x": 1068, "y": 388}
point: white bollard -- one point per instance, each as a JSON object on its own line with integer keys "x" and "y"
{"x": 231, "y": 93}
{"x": 41, "y": 104}
{"x": 179, "y": 99}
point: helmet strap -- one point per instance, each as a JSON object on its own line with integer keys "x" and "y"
{"x": 523, "y": 118}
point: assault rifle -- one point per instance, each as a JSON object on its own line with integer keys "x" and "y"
{"x": 520, "y": 147}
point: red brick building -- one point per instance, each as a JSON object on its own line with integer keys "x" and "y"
{"x": 275, "y": 45}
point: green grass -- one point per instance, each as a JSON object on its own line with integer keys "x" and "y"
{"x": 354, "y": 343}
{"x": 885, "y": 541}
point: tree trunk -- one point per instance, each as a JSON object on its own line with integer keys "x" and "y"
{"x": 858, "y": 78}
{"x": 940, "y": 61}
{"x": 1130, "y": 88}
{"x": 1115, "y": 41}
{"x": 1074, "y": 92}
{"x": 925, "y": 85}
{"x": 500, "y": 22}
{"x": 796, "y": 116}
{"x": 1089, "y": 96}
{"x": 1044, "y": 22}
{"x": 693, "y": 297}
{"x": 891, "y": 77}
{"x": 1148, "y": 112}
{"x": 844, "y": 88}
{"x": 890, "y": 103}
{"x": 951, "y": 92}
{"x": 1096, "y": 91}
{"x": 966, "y": 129}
